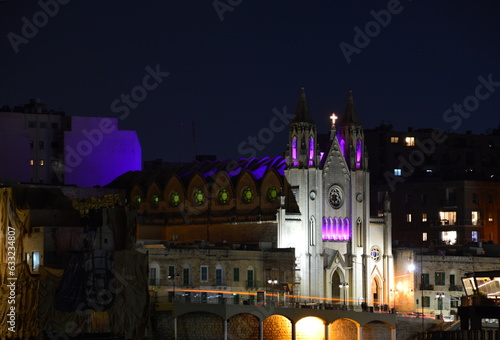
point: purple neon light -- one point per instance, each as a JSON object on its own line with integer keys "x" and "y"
{"x": 358, "y": 154}
{"x": 336, "y": 229}
{"x": 342, "y": 146}
{"x": 321, "y": 154}
{"x": 294, "y": 148}
{"x": 311, "y": 148}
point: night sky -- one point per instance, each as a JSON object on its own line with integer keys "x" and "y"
{"x": 230, "y": 66}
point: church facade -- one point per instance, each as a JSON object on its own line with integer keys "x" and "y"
{"x": 314, "y": 200}
{"x": 341, "y": 251}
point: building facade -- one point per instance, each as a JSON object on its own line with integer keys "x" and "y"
{"x": 46, "y": 146}
{"x": 314, "y": 200}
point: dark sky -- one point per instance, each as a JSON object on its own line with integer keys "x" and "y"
{"x": 227, "y": 76}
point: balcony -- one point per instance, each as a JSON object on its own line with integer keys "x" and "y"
{"x": 426, "y": 287}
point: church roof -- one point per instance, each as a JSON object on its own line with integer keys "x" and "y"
{"x": 350, "y": 116}
{"x": 257, "y": 167}
{"x": 302, "y": 114}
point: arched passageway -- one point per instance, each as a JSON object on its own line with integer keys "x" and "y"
{"x": 310, "y": 328}
{"x": 277, "y": 327}
{"x": 343, "y": 329}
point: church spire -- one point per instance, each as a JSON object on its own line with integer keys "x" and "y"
{"x": 350, "y": 116}
{"x": 302, "y": 149}
{"x": 302, "y": 114}
{"x": 351, "y": 137}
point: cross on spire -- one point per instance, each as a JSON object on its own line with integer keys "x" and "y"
{"x": 333, "y": 117}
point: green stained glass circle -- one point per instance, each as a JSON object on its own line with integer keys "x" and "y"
{"x": 198, "y": 197}
{"x": 223, "y": 196}
{"x": 272, "y": 194}
{"x": 247, "y": 195}
{"x": 155, "y": 200}
{"x": 138, "y": 199}
{"x": 175, "y": 198}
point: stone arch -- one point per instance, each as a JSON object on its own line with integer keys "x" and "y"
{"x": 336, "y": 279}
{"x": 277, "y": 327}
{"x": 310, "y": 328}
{"x": 243, "y": 326}
{"x": 376, "y": 330}
{"x": 199, "y": 325}
{"x": 376, "y": 290}
{"x": 343, "y": 329}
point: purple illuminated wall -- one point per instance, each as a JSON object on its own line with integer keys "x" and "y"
{"x": 336, "y": 229}
{"x": 342, "y": 146}
{"x": 96, "y": 152}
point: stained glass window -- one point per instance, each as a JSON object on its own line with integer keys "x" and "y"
{"x": 223, "y": 196}
{"x": 198, "y": 197}
{"x": 175, "y": 198}
{"x": 247, "y": 195}
{"x": 272, "y": 194}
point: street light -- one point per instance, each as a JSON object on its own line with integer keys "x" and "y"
{"x": 271, "y": 283}
{"x": 440, "y": 297}
{"x": 344, "y": 285}
{"x": 393, "y": 293}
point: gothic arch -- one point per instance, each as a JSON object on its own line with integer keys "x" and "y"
{"x": 197, "y": 194}
{"x": 222, "y": 195}
{"x": 247, "y": 195}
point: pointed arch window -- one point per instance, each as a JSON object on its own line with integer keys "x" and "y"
{"x": 359, "y": 147}
{"x": 342, "y": 146}
{"x": 294, "y": 151}
{"x": 359, "y": 232}
{"x": 336, "y": 229}
{"x": 311, "y": 151}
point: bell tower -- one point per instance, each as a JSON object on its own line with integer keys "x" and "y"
{"x": 302, "y": 151}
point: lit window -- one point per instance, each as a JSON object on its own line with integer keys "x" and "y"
{"x": 474, "y": 236}
{"x": 449, "y": 237}
{"x": 41, "y": 162}
{"x": 424, "y": 237}
{"x": 475, "y": 217}
{"x": 424, "y": 217}
{"x": 448, "y": 217}
{"x": 490, "y": 217}
{"x": 32, "y": 162}
{"x": 408, "y": 217}
{"x": 428, "y": 170}
{"x": 36, "y": 260}
{"x": 410, "y": 141}
{"x": 394, "y": 140}
{"x": 294, "y": 148}
{"x": 397, "y": 172}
